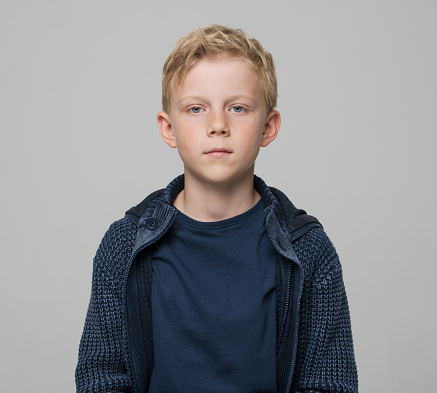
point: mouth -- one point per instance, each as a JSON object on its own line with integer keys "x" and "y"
{"x": 218, "y": 152}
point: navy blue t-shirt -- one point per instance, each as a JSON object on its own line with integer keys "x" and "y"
{"x": 214, "y": 306}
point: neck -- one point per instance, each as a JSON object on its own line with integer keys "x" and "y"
{"x": 215, "y": 202}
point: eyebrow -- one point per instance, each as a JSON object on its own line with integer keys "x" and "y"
{"x": 189, "y": 98}
{"x": 232, "y": 98}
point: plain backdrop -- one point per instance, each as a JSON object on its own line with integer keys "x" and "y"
{"x": 79, "y": 93}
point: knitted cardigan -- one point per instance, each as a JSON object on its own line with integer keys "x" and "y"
{"x": 315, "y": 349}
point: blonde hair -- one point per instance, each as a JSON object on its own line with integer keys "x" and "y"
{"x": 213, "y": 40}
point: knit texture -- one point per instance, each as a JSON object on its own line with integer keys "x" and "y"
{"x": 325, "y": 357}
{"x": 103, "y": 361}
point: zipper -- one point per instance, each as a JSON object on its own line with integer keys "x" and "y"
{"x": 295, "y": 339}
{"x": 286, "y": 308}
{"x": 133, "y": 256}
{"x": 295, "y": 328}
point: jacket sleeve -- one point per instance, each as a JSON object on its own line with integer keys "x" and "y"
{"x": 325, "y": 358}
{"x": 103, "y": 363}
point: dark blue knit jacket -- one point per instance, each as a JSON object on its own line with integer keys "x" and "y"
{"x": 314, "y": 340}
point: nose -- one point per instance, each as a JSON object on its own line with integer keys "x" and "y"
{"x": 218, "y": 124}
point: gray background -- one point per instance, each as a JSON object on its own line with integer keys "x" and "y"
{"x": 80, "y": 89}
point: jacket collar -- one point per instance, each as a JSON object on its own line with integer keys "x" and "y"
{"x": 293, "y": 222}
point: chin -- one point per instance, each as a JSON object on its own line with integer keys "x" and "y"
{"x": 225, "y": 179}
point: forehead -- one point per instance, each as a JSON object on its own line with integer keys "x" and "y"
{"x": 220, "y": 73}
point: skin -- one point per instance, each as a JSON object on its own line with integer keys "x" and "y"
{"x": 218, "y": 121}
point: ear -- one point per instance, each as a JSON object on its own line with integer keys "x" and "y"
{"x": 271, "y": 129}
{"x": 166, "y": 129}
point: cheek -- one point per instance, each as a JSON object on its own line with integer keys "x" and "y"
{"x": 186, "y": 143}
{"x": 250, "y": 147}
{"x": 252, "y": 137}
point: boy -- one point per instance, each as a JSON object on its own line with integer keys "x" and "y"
{"x": 217, "y": 283}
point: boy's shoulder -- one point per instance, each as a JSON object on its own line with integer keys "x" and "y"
{"x": 137, "y": 211}
{"x": 298, "y": 221}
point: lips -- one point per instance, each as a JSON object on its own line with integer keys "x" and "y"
{"x": 218, "y": 152}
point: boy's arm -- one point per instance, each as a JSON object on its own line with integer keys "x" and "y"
{"x": 102, "y": 364}
{"x": 325, "y": 358}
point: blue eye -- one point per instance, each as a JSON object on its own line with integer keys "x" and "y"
{"x": 238, "y": 109}
{"x": 196, "y": 109}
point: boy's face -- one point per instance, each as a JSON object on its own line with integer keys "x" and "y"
{"x": 218, "y": 120}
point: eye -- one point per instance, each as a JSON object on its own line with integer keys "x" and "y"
{"x": 238, "y": 109}
{"x": 196, "y": 109}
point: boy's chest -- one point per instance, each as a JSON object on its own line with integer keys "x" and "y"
{"x": 225, "y": 272}
{"x": 214, "y": 304}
